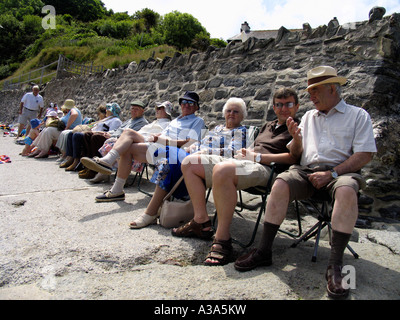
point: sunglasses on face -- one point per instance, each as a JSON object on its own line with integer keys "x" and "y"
{"x": 190, "y": 103}
{"x": 280, "y": 105}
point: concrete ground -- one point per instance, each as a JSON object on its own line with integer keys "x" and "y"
{"x": 56, "y": 242}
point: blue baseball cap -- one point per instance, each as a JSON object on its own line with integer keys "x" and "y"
{"x": 35, "y": 122}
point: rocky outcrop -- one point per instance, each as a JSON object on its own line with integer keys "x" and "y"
{"x": 367, "y": 53}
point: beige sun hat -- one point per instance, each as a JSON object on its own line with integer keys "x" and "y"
{"x": 68, "y": 104}
{"x": 323, "y": 75}
{"x": 167, "y": 105}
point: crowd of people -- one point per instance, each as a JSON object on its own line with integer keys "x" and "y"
{"x": 325, "y": 151}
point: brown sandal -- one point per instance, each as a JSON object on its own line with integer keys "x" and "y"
{"x": 221, "y": 254}
{"x": 194, "y": 229}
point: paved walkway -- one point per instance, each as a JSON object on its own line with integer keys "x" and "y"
{"x": 56, "y": 242}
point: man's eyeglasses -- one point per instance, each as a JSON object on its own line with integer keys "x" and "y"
{"x": 280, "y": 105}
{"x": 190, "y": 103}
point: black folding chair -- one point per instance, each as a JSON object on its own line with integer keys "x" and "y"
{"x": 263, "y": 192}
{"x": 319, "y": 203}
{"x": 140, "y": 176}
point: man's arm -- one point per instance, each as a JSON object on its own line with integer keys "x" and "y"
{"x": 353, "y": 164}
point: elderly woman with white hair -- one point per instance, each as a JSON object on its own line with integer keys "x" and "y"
{"x": 224, "y": 140}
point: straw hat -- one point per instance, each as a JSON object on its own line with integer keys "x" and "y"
{"x": 68, "y": 104}
{"x": 323, "y": 75}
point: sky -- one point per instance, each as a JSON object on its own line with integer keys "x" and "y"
{"x": 223, "y": 18}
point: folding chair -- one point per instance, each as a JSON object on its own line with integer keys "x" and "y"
{"x": 262, "y": 191}
{"x": 320, "y": 202}
{"x": 140, "y": 176}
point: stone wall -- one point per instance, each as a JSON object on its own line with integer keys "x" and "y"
{"x": 367, "y": 53}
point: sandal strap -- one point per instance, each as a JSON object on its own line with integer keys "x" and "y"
{"x": 143, "y": 221}
{"x": 225, "y": 246}
{"x": 193, "y": 228}
{"x": 221, "y": 253}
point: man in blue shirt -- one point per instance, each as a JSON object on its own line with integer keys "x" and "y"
{"x": 182, "y": 131}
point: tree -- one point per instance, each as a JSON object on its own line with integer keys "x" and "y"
{"x": 21, "y": 8}
{"x": 180, "y": 29}
{"x": 83, "y": 10}
{"x": 150, "y": 17}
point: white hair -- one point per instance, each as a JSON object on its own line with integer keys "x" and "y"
{"x": 238, "y": 102}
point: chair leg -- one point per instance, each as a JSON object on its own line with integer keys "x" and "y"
{"x": 140, "y": 180}
{"x": 310, "y": 233}
{"x": 300, "y": 231}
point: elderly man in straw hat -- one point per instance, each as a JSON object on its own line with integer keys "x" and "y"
{"x": 333, "y": 142}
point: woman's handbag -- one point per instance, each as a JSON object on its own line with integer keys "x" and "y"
{"x": 175, "y": 212}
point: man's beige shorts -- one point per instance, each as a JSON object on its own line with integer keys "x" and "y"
{"x": 301, "y": 188}
{"x": 249, "y": 173}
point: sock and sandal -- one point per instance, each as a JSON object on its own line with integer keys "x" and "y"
{"x": 263, "y": 257}
{"x": 221, "y": 250}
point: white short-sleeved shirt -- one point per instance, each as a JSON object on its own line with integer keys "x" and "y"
{"x": 108, "y": 124}
{"x": 32, "y": 102}
{"x": 330, "y": 139}
{"x": 182, "y": 128}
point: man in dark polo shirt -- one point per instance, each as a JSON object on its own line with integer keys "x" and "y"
{"x": 226, "y": 176}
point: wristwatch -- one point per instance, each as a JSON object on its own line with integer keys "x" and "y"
{"x": 258, "y": 157}
{"x": 334, "y": 174}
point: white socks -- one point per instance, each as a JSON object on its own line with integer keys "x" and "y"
{"x": 118, "y": 186}
{"x": 111, "y": 157}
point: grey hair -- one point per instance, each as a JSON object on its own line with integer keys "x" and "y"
{"x": 236, "y": 101}
{"x": 338, "y": 88}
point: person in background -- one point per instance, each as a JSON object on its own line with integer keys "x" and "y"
{"x": 31, "y": 107}
{"x": 75, "y": 140}
{"x": 163, "y": 118}
{"x": 71, "y": 119}
{"x": 33, "y": 134}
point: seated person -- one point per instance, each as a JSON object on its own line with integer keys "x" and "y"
{"x": 184, "y": 130}
{"x": 223, "y": 141}
{"x": 93, "y": 141}
{"x": 75, "y": 144}
{"x": 163, "y": 118}
{"x": 71, "y": 119}
{"x": 333, "y": 142}
{"x": 226, "y": 176}
{"x": 33, "y": 134}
